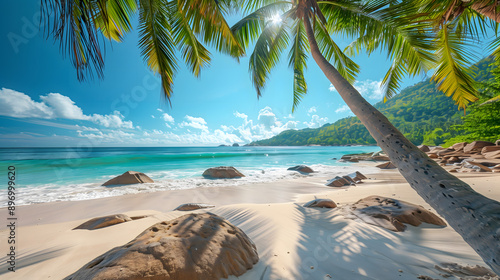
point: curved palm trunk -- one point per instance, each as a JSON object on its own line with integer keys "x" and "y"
{"x": 486, "y": 9}
{"x": 475, "y": 217}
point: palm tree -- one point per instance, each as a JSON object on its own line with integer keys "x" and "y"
{"x": 164, "y": 28}
{"x": 459, "y": 23}
{"x": 307, "y": 24}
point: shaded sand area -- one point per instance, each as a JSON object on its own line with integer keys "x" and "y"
{"x": 293, "y": 242}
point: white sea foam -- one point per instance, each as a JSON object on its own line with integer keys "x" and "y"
{"x": 171, "y": 180}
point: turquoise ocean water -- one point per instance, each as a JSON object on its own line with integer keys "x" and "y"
{"x": 58, "y": 174}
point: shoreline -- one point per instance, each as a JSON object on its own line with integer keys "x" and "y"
{"x": 290, "y": 238}
{"x": 165, "y": 181}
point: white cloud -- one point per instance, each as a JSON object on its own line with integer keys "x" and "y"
{"x": 367, "y": 88}
{"x": 290, "y": 116}
{"x": 332, "y": 88}
{"x": 195, "y": 119}
{"x": 85, "y": 128}
{"x": 53, "y": 106}
{"x": 63, "y": 107}
{"x": 268, "y": 125}
{"x": 246, "y": 132}
{"x": 194, "y": 122}
{"x": 19, "y": 105}
{"x": 168, "y": 118}
{"x": 267, "y": 117}
{"x": 226, "y": 128}
{"x": 316, "y": 121}
{"x": 218, "y": 136}
{"x": 159, "y": 110}
{"x": 153, "y": 116}
{"x": 311, "y": 110}
{"x": 114, "y": 136}
{"x": 370, "y": 89}
{"x": 157, "y": 132}
{"x": 342, "y": 108}
{"x": 240, "y": 115}
{"x": 115, "y": 120}
{"x": 291, "y": 125}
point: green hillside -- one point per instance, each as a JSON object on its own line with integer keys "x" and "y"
{"x": 422, "y": 113}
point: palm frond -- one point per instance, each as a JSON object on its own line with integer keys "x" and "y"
{"x": 391, "y": 27}
{"x": 349, "y": 18}
{"x": 252, "y": 5}
{"x": 331, "y": 51}
{"x": 193, "y": 52}
{"x": 71, "y": 23}
{"x": 494, "y": 47}
{"x": 268, "y": 48}
{"x": 113, "y": 17}
{"x": 471, "y": 23}
{"x": 298, "y": 61}
{"x": 156, "y": 42}
{"x": 248, "y": 29}
{"x": 452, "y": 75}
{"x": 207, "y": 20}
{"x": 393, "y": 77}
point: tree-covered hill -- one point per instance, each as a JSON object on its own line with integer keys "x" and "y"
{"x": 421, "y": 112}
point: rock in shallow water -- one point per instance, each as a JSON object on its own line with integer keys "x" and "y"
{"x": 392, "y": 214}
{"x": 129, "y": 177}
{"x": 222, "y": 172}
{"x": 191, "y": 247}
{"x": 301, "y": 169}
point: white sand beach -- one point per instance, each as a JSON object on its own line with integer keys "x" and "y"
{"x": 293, "y": 242}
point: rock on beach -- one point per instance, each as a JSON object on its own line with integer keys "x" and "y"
{"x": 191, "y": 247}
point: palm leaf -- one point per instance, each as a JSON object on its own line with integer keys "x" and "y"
{"x": 331, "y": 51}
{"x": 193, "y": 52}
{"x": 408, "y": 42}
{"x": 268, "y": 48}
{"x": 494, "y": 46}
{"x": 207, "y": 20}
{"x": 298, "y": 61}
{"x": 113, "y": 17}
{"x": 452, "y": 74}
{"x": 249, "y": 28}
{"x": 253, "y": 5}
{"x": 71, "y": 23}
{"x": 156, "y": 42}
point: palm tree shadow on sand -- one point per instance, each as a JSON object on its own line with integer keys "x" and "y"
{"x": 316, "y": 243}
{"x": 332, "y": 246}
{"x": 30, "y": 258}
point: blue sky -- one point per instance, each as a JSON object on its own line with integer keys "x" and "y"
{"x": 43, "y": 104}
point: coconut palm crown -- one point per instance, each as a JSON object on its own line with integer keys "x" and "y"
{"x": 165, "y": 27}
{"x": 277, "y": 24}
{"x": 307, "y": 25}
{"x": 459, "y": 25}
